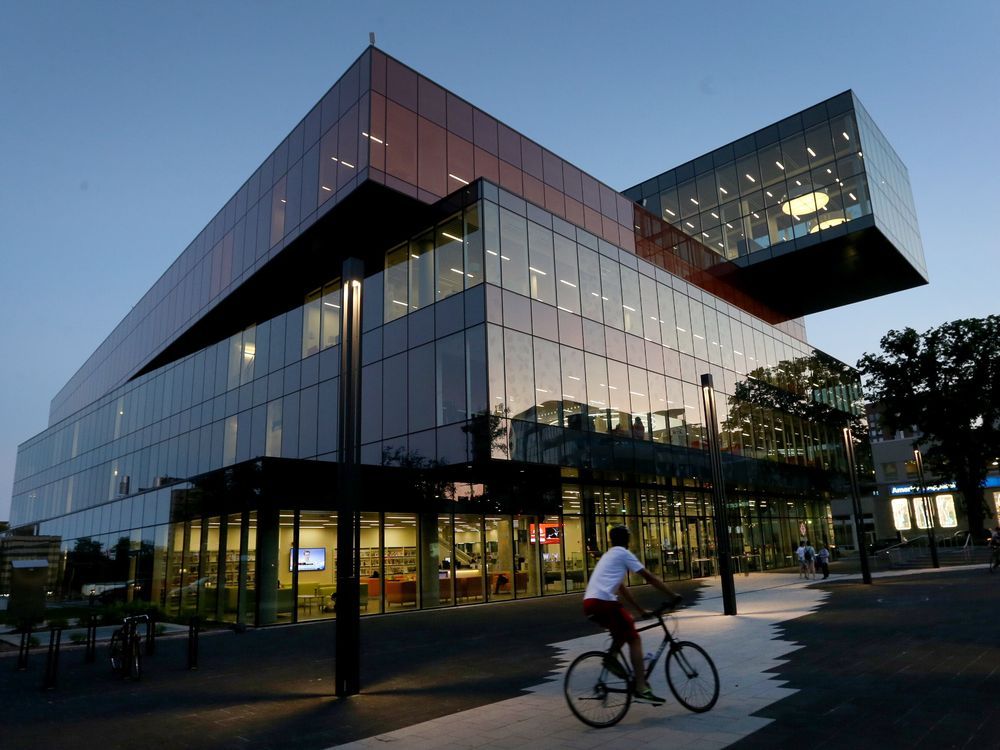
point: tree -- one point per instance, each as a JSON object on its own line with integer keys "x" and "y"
{"x": 946, "y": 384}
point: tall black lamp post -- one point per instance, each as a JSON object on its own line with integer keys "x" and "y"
{"x": 928, "y": 514}
{"x": 348, "y": 646}
{"x": 719, "y": 496}
{"x": 859, "y": 527}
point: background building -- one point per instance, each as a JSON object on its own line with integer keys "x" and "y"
{"x": 897, "y": 508}
{"x": 531, "y": 352}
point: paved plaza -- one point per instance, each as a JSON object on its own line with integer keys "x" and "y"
{"x": 910, "y": 661}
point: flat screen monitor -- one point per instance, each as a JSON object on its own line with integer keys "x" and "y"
{"x": 310, "y": 558}
{"x": 546, "y": 533}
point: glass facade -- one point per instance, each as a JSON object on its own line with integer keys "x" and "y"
{"x": 527, "y": 381}
{"x": 814, "y": 183}
{"x": 805, "y": 175}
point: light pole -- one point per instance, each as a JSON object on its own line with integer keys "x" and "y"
{"x": 859, "y": 528}
{"x": 918, "y": 457}
{"x": 719, "y": 497}
{"x": 348, "y": 647}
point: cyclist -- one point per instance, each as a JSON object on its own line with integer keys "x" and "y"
{"x": 601, "y": 604}
{"x": 994, "y": 542}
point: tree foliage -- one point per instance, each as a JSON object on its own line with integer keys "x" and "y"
{"x": 945, "y": 383}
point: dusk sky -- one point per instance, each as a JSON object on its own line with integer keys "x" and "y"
{"x": 124, "y": 127}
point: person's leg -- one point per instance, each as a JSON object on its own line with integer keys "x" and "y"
{"x": 635, "y": 656}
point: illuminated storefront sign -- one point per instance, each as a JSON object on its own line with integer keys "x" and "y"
{"x": 914, "y": 489}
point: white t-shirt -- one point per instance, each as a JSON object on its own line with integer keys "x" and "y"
{"x": 609, "y": 573}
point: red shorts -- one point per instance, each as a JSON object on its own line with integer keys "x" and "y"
{"x": 614, "y": 617}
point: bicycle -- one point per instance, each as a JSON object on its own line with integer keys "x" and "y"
{"x": 600, "y": 699}
{"x": 125, "y": 648}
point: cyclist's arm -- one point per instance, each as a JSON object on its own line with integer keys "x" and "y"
{"x": 655, "y": 582}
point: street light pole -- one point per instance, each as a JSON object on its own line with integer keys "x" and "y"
{"x": 859, "y": 528}
{"x": 348, "y": 646}
{"x": 918, "y": 456}
{"x": 719, "y": 496}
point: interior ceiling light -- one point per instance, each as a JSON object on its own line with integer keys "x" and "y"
{"x": 809, "y": 203}
{"x": 832, "y": 220}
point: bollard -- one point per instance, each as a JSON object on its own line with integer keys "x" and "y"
{"x": 150, "y": 635}
{"x": 193, "y": 643}
{"x": 90, "y": 653}
{"x": 52, "y": 660}
{"x": 22, "y": 653}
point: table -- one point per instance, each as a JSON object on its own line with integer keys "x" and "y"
{"x": 308, "y": 601}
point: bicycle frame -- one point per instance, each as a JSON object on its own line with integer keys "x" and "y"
{"x": 668, "y": 639}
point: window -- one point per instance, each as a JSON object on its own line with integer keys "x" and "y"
{"x": 330, "y": 323}
{"x": 946, "y": 516}
{"x": 890, "y": 470}
{"x": 449, "y": 259}
{"x": 421, "y": 264}
{"x": 901, "y": 513}
{"x": 514, "y": 252}
{"x": 567, "y": 275}
{"x": 311, "y": 324}
{"x": 541, "y": 267}
{"x": 396, "y": 284}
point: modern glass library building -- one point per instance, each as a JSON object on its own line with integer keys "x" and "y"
{"x": 532, "y": 343}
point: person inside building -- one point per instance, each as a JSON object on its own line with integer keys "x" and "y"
{"x": 602, "y": 605}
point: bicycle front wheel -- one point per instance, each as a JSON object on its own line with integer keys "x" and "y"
{"x": 115, "y": 652}
{"x": 135, "y": 660}
{"x": 692, "y": 676}
{"x": 596, "y": 696}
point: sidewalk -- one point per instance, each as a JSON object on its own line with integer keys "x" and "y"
{"x": 752, "y": 652}
{"x": 804, "y": 661}
{"x": 743, "y": 648}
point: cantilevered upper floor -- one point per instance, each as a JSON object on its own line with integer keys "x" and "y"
{"x": 814, "y": 211}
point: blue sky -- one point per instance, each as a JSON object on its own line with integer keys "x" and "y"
{"x": 125, "y": 126}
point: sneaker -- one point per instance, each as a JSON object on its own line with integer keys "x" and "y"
{"x": 615, "y": 667}
{"x": 647, "y": 696}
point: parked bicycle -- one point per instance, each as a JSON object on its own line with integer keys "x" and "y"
{"x": 125, "y": 648}
{"x": 599, "y": 698}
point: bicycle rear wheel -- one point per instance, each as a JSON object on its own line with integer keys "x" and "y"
{"x": 595, "y": 696}
{"x": 115, "y": 649}
{"x": 692, "y": 676}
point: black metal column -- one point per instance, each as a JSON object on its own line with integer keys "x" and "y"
{"x": 721, "y": 510}
{"x": 928, "y": 509}
{"x": 348, "y": 648}
{"x": 859, "y": 526}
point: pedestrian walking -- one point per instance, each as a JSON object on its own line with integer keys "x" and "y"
{"x": 823, "y": 560}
